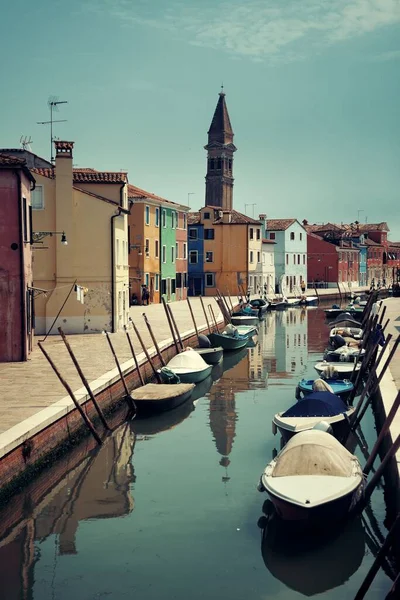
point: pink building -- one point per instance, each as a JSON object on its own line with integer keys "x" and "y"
{"x": 16, "y": 292}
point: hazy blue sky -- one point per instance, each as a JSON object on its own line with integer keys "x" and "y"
{"x": 312, "y": 86}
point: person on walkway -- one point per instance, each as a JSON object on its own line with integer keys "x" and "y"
{"x": 303, "y": 286}
{"x": 145, "y": 294}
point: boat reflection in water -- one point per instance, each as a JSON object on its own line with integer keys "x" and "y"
{"x": 312, "y": 564}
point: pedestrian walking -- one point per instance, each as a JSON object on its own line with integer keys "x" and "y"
{"x": 145, "y": 294}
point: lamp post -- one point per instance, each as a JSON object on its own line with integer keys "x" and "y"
{"x": 38, "y": 236}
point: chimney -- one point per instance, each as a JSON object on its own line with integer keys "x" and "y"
{"x": 226, "y": 216}
{"x": 64, "y": 207}
{"x": 263, "y": 219}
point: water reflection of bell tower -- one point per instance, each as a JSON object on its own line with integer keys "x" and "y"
{"x": 223, "y": 419}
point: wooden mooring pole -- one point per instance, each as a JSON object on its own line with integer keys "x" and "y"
{"x": 385, "y": 428}
{"x": 380, "y": 557}
{"x": 193, "y": 319}
{"x": 83, "y": 378}
{"x": 171, "y": 327}
{"x": 205, "y": 314}
{"x": 139, "y": 337}
{"x": 78, "y": 407}
{"x": 160, "y": 356}
{"x": 129, "y": 398}
{"x": 178, "y": 335}
{"x": 210, "y": 308}
{"x": 134, "y": 355}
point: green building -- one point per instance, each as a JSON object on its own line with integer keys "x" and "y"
{"x": 169, "y": 223}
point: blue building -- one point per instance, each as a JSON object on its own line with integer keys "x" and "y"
{"x": 195, "y": 255}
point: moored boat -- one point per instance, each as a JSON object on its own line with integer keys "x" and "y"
{"x": 189, "y": 366}
{"x": 340, "y": 387}
{"x": 210, "y": 355}
{"x": 344, "y": 354}
{"x": 244, "y": 319}
{"x": 342, "y": 368}
{"x": 344, "y": 320}
{"x": 154, "y": 398}
{"x": 308, "y": 412}
{"x": 228, "y": 342}
{"x": 346, "y": 332}
{"x": 259, "y": 304}
{"x": 314, "y": 479}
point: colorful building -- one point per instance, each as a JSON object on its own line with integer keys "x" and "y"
{"x": 80, "y": 220}
{"x": 16, "y": 279}
{"x": 158, "y": 246}
{"x": 196, "y": 255}
{"x": 290, "y": 254}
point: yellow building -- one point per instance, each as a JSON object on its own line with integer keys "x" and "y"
{"x": 87, "y": 279}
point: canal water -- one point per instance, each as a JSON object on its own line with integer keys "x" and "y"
{"x": 168, "y": 507}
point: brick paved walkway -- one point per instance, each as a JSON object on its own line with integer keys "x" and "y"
{"x": 27, "y": 388}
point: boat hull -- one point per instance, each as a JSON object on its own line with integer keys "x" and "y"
{"x": 341, "y": 388}
{"x": 154, "y": 403}
{"x": 211, "y": 356}
{"x": 228, "y": 343}
{"x": 244, "y": 320}
{"x": 343, "y": 368}
{"x": 336, "y": 510}
{"x": 190, "y": 376}
{"x": 340, "y": 429}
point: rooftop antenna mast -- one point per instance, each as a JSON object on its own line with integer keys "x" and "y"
{"x": 53, "y": 103}
{"x": 252, "y": 205}
{"x": 26, "y": 142}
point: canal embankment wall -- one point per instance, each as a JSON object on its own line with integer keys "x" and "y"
{"x": 31, "y": 443}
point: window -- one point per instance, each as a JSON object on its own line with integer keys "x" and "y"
{"x": 117, "y": 253}
{"x": 173, "y": 254}
{"x": 172, "y": 219}
{"x": 177, "y": 250}
{"x": 146, "y": 279}
{"x": 272, "y": 235}
{"x": 25, "y": 224}
{"x": 164, "y": 218}
{"x": 156, "y": 248}
{"x": 163, "y": 286}
{"x": 212, "y": 163}
{"x": 294, "y": 259}
{"x": 185, "y": 280}
{"x": 193, "y": 257}
{"x": 209, "y": 256}
{"x": 209, "y": 279}
{"x": 206, "y": 215}
{"x": 192, "y": 233}
{"x": 304, "y": 259}
{"x": 292, "y": 235}
{"x": 157, "y": 217}
{"x": 287, "y": 259}
{"x": 251, "y": 233}
{"x": 258, "y": 234}
{"x": 298, "y": 259}
{"x": 37, "y": 199}
{"x": 147, "y": 247}
{"x": 258, "y": 257}
{"x": 147, "y": 215}
{"x": 230, "y": 164}
{"x": 164, "y": 254}
{"x": 184, "y": 220}
{"x": 209, "y": 234}
{"x": 219, "y": 163}
{"x": 184, "y": 250}
{"x": 173, "y": 286}
{"x": 157, "y": 283}
{"x": 251, "y": 256}
{"x": 179, "y": 280}
{"x": 301, "y": 236}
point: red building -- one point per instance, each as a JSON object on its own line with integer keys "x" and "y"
{"x": 16, "y": 293}
{"x": 330, "y": 263}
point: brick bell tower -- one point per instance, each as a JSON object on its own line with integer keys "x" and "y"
{"x": 220, "y": 149}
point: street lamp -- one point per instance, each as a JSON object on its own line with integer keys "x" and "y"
{"x": 38, "y": 236}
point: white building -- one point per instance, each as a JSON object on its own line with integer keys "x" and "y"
{"x": 290, "y": 252}
{"x": 268, "y": 265}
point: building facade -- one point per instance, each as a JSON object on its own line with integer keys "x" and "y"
{"x": 196, "y": 255}
{"x": 290, "y": 254}
{"x": 16, "y": 279}
{"x": 87, "y": 279}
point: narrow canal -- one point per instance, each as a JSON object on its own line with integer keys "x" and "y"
{"x": 168, "y": 507}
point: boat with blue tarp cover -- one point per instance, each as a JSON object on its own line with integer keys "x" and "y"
{"x": 340, "y": 387}
{"x": 308, "y": 412}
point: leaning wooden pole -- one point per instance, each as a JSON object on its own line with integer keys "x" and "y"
{"x": 156, "y": 346}
{"x": 83, "y": 378}
{"x": 134, "y": 355}
{"x": 129, "y": 398}
{"x": 193, "y": 319}
{"x": 230, "y": 299}
{"x": 380, "y": 557}
{"x": 205, "y": 314}
{"x": 72, "y": 396}
{"x": 178, "y": 335}
{"x": 171, "y": 327}
{"x": 379, "y": 472}
{"x": 141, "y": 342}
{"x": 385, "y": 428}
{"x": 210, "y": 308}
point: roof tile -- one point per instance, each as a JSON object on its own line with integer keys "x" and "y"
{"x": 279, "y": 224}
{"x": 136, "y": 192}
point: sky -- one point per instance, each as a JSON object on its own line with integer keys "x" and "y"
{"x": 312, "y": 88}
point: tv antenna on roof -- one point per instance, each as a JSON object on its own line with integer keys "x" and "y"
{"x": 53, "y": 103}
{"x": 26, "y": 142}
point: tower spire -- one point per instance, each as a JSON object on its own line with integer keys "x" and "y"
{"x": 220, "y": 149}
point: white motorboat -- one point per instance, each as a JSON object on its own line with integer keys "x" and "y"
{"x": 346, "y": 332}
{"x": 314, "y": 479}
{"x": 244, "y": 320}
{"x": 189, "y": 366}
{"x": 342, "y": 368}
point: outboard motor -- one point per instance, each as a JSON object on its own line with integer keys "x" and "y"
{"x": 338, "y": 341}
{"x": 323, "y": 426}
{"x": 204, "y": 342}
